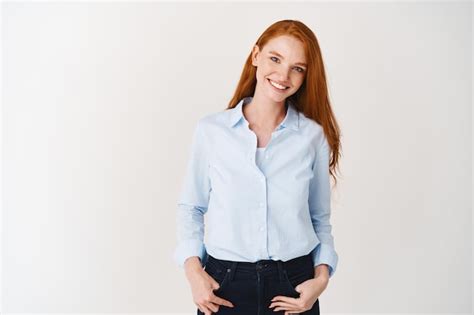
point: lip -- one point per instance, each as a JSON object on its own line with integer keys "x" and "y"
{"x": 277, "y": 89}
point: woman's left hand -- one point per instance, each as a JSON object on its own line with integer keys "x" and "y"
{"x": 309, "y": 291}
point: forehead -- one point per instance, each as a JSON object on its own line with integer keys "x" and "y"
{"x": 288, "y": 46}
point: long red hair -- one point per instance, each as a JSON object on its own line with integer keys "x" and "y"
{"x": 312, "y": 98}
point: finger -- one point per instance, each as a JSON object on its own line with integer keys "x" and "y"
{"x": 215, "y": 285}
{"x": 291, "y": 309}
{"x": 213, "y": 307}
{"x": 204, "y": 309}
{"x": 285, "y": 306}
{"x": 221, "y": 301}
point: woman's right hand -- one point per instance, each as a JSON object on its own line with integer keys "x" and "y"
{"x": 202, "y": 286}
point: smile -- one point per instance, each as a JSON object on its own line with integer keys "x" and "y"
{"x": 278, "y": 86}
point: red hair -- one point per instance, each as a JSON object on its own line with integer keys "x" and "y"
{"x": 312, "y": 98}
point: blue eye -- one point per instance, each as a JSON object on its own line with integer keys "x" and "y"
{"x": 300, "y": 70}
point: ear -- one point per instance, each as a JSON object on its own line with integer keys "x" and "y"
{"x": 255, "y": 54}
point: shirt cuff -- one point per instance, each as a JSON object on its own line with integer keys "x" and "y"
{"x": 325, "y": 254}
{"x": 189, "y": 248}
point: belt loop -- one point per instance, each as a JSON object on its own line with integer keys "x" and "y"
{"x": 280, "y": 270}
{"x": 232, "y": 270}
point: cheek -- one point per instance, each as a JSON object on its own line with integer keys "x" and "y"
{"x": 267, "y": 67}
{"x": 299, "y": 82}
{"x": 262, "y": 73}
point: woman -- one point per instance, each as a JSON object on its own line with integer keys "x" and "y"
{"x": 259, "y": 173}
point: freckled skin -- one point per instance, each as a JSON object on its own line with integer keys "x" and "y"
{"x": 266, "y": 110}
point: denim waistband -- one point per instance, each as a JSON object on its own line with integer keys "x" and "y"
{"x": 264, "y": 264}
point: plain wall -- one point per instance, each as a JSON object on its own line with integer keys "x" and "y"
{"x": 99, "y": 104}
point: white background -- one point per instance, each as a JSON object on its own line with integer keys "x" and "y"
{"x": 99, "y": 104}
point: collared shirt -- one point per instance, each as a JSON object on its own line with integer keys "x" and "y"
{"x": 280, "y": 210}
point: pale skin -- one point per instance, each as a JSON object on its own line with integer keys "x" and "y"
{"x": 282, "y": 60}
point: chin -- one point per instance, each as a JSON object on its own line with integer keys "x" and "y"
{"x": 279, "y": 98}
{"x": 276, "y": 98}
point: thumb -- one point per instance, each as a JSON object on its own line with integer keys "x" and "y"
{"x": 215, "y": 284}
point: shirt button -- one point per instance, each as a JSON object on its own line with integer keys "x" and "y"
{"x": 261, "y": 229}
{"x": 262, "y": 179}
{"x": 267, "y": 156}
{"x": 261, "y": 204}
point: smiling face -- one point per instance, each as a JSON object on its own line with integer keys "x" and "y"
{"x": 281, "y": 67}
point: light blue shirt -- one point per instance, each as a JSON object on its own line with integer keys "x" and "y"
{"x": 278, "y": 208}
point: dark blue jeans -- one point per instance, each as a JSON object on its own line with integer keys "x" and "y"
{"x": 250, "y": 287}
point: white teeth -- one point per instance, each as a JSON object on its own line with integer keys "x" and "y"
{"x": 278, "y": 86}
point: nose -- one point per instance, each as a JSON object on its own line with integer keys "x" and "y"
{"x": 284, "y": 74}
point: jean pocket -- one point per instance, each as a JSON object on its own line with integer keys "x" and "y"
{"x": 218, "y": 273}
{"x": 294, "y": 278}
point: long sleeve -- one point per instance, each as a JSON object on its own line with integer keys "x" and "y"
{"x": 193, "y": 202}
{"x": 320, "y": 209}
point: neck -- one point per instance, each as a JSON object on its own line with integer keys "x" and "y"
{"x": 264, "y": 114}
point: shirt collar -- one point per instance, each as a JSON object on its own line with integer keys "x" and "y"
{"x": 291, "y": 119}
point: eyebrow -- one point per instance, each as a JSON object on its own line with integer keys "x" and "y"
{"x": 277, "y": 54}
